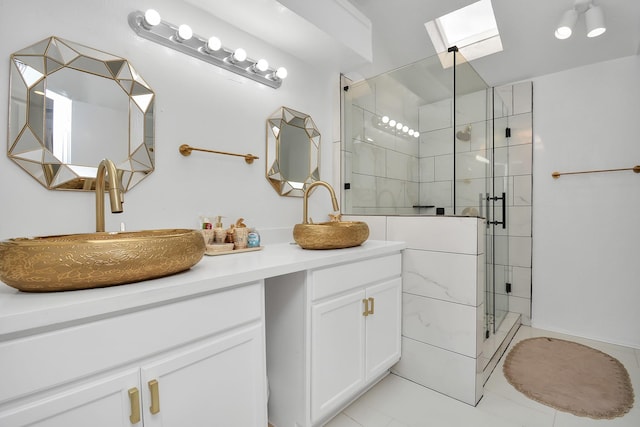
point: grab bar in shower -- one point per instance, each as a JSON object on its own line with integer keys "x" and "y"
{"x": 636, "y": 169}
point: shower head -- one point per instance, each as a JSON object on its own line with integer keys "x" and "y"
{"x": 464, "y": 135}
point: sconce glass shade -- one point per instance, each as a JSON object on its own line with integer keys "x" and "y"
{"x": 595, "y": 21}
{"x": 565, "y": 27}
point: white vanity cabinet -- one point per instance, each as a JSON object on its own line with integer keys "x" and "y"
{"x": 331, "y": 333}
{"x": 189, "y": 362}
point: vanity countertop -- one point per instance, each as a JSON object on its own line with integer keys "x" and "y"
{"x": 23, "y": 313}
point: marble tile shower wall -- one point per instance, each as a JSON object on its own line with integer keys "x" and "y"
{"x": 437, "y": 156}
{"x": 389, "y": 174}
{"x": 384, "y": 168}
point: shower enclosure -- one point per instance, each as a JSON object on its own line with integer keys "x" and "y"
{"x": 422, "y": 140}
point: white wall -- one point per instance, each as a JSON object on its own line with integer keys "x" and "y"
{"x": 586, "y": 228}
{"x": 197, "y": 103}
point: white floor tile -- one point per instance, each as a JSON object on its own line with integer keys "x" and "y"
{"x": 396, "y": 402}
{"x": 341, "y": 420}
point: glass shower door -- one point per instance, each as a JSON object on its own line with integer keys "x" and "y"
{"x": 497, "y": 223}
{"x": 482, "y": 179}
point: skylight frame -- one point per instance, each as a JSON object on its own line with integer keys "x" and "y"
{"x": 474, "y": 45}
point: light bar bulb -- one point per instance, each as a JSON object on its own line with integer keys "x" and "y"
{"x": 392, "y": 123}
{"x": 214, "y": 44}
{"x": 399, "y": 126}
{"x": 262, "y": 65}
{"x": 385, "y": 119}
{"x": 239, "y": 55}
{"x": 184, "y": 32}
{"x": 282, "y": 73}
{"x": 151, "y": 19}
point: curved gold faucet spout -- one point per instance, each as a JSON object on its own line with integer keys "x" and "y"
{"x": 305, "y": 202}
{"x": 116, "y": 197}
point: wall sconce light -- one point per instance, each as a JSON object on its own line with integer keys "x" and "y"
{"x": 150, "y": 26}
{"x": 593, "y": 16}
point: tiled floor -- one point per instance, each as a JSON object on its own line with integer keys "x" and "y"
{"x": 395, "y": 402}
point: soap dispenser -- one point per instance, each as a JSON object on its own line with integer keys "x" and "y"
{"x": 219, "y": 233}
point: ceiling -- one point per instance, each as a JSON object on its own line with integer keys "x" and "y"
{"x": 399, "y": 36}
{"x": 526, "y": 28}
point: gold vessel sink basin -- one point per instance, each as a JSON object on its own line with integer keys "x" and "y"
{"x": 94, "y": 260}
{"x": 331, "y": 235}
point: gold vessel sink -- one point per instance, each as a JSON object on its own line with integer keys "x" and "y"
{"x": 94, "y": 260}
{"x": 331, "y": 235}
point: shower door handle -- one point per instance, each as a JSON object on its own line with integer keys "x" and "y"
{"x": 487, "y": 210}
{"x": 504, "y": 210}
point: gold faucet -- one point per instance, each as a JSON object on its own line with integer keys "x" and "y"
{"x": 305, "y": 202}
{"x": 115, "y": 191}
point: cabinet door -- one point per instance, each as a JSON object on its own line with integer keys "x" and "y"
{"x": 219, "y": 383}
{"x": 337, "y": 352}
{"x": 101, "y": 403}
{"x": 383, "y": 327}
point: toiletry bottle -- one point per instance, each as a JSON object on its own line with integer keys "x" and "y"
{"x": 220, "y": 234}
{"x": 229, "y": 234}
{"x": 253, "y": 239}
{"x": 207, "y": 231}
{"x": 240, "y": 234}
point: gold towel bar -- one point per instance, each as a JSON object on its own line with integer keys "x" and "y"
{"x": 636, "y": 169}
{"x": 186, "y": 150}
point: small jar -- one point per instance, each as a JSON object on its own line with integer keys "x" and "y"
{"x": 240, "y": 236}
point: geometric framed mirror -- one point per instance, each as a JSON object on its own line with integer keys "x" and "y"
{"x": 72, "y": 106}
{"x": 293, "y": 152}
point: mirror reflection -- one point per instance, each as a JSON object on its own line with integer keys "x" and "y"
{"x": 293, "y": 148}
{"x": 72, "y": 106}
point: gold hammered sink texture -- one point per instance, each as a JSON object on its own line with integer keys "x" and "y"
{"x": 331, "y": 235}
{"x": 94, "y": 260}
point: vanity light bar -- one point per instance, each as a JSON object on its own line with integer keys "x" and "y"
{"x": 150, "y": 26}
{"x": 394, "y": 127}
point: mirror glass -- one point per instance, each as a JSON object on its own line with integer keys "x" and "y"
{"x": 293, "y": 152}
{"x": 72, "y": 106}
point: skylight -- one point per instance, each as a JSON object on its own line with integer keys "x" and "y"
{"x": 472, "y": 29}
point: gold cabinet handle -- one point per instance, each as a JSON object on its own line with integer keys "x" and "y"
{"x": 134, "y": 400}
{"x": 366, "y": 307}
{"x": 155, "y": 397}
{"x": 372, "y": 301}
